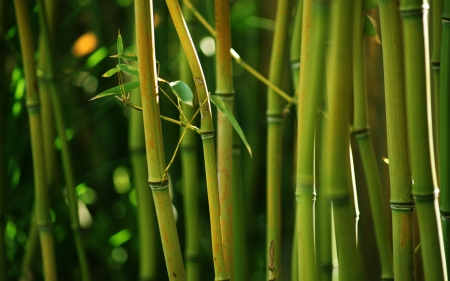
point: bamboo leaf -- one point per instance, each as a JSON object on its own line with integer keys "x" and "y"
{"x": 117, "y": 90}
{"x": 128, "y": 69}
{"x": 225, "y": 110}
{"x": 119, "y": 44}
{"x": 370, "y": 29}
{"x": 183, "y": 92}
{"x": 131, "y": 57}
{"x": 110, "y": 72}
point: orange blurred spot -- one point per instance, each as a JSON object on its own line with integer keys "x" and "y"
{"x": 84, "y": 45}
{"x": 156, "y": 19}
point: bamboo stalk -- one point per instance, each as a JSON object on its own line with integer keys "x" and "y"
{"x": 415, "y": 32}
{"x": 157, "y": 178}
{"x": 436, "y": 13}
{"x": 402, "y": 203}
{"x": 225, "y": 91}
{"x": 337, "y": 180}
{"x": 361, "y": 131}
{"x": 275, "y": 135}
{"x": 296, "y": 43}
{"x": 47, "y": 72}
{"x": 444, "y": 136}
{"x": 189, "y": 162}
{"x": 207, "y": 134}
{"x": 315, "y": 26}
{"x": 43, "y": 219}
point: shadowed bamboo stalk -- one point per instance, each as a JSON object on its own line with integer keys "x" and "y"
{"x": 47, "y": 77}
{"x": 189, "y": 162}
{"x": 43, "y": 219}
{"x": 146, "y": 214}
{"x": 225, "y": 91}
{"x": 444, "y": 136}
{"x": 275, "y": 134}
{"x": 207, "y": 134}
{"x": 157, "y": 178}
{"x": 337, "y": 179}
{"x": 402, "y": 203}
{"x": 361, "y": 132}
{"x": 296, "y": 43}
{"x": 315, "y": 27}
{"x": 436, "y": 13}
{"x": 418, "y": 102}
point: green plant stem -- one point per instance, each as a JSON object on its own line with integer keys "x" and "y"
{"x": 414, "y": 14}
{"x": 207, "y": 134}
{"x": 436, "y": 13}
{"x": 225, "y": 91}
{"x": 444, "y": 136}
{"x": 189, "y": 165}
{"x": 337, "y": 180}
{"x": 361, "y": 132}
{"x": 296, "y": 43}
{"x": 31, "y": 253}
{"x": 275, "y": 135}
{"x": 156, "y": 165}
{"x": 402, "y": 202}
{"x": 43, "y": 219}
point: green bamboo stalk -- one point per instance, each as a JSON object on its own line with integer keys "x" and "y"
{"x": 189, "y": 164}
{"x": 225, "y": 91}
{"x": 43, "y": 219}
{"x": 361, "y": 132}
{"x": 436, "y": 13}
{"x": 207, "y": 133}
{"x": 146, "y": 214}
{"x": 444, "y": 136}
{"x": 414, "y": 15}
{"x": 46, "y": 72}
{"x": 337, "y": 179}
{"x": 315, "y": 26}
{"x": 275, "y": 134}
{"x": 402, "y": 203}
{"x": 296, "y": 43}
{"x": 157, "y": 178}
{"x": 31, "y": 253}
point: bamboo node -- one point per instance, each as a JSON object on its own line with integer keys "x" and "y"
{"x": 45, "y": 226}
{"x": 159, "y": 185}
{"x": 426, "y": 197}
{"x": 445, "y": 215}
{"x": 207, "y": 134}
{"x": 361, "y": 132}
{"x": 403, "y": 206}
{"x": 413, "y": 11}
{"x": 33, "y": 106}
{"x": 274, "y": 118}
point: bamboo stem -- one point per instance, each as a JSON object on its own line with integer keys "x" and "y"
{"x": 43, "y": 219}
{"x": 436, "y": 13}
{"x": 418, "y": 101}
{"x": 207, "y": 133}
{"x": 156, "y": 165}
{"x": 361, "y": 132}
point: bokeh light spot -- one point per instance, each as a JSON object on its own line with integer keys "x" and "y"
{"x": 208, "y": 46}
{"x": 84, "y": 45}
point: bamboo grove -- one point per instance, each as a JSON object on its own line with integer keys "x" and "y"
{"x": 246, "y": 140}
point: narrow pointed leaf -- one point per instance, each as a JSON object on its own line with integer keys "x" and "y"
{"x": 370, "y": 29}
{"x": 131, "y": 57}
{"x": 128, "y": 69}
{"x": 225, "y": 110}
{"x": 119, "y": 44}
{"x": 116, "y": 90}
{"x": 110, "y": 72}
{"x": 183, "y": 92}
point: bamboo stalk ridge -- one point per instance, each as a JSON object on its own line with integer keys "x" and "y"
{"x": 337, "y": 179}
{"x": 275, "y": 134}
{"x": 444, "y": 136}
{"x": 43, "y": 219}
{"x": 47, "y": 78}
{"x": 207, "y": 134}
{"x": 418, "y": 102}
{"x": 189, "y": 162}
{"x": 361, "y": 131}
{"x": 225, "y": 91}
{"x": 315, "y": 26}
{"x": 157, "y": 179}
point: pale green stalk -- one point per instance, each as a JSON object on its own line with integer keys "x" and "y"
{"x": 361, "y": 132}
{"x": 43, "y": 219}
{"x": 296, "y": 43}
{"x": 157, "y": 177}
{"x": 418, "y": 101}
{"x": 207, "y": 134}
{"x": 275, "y": 134}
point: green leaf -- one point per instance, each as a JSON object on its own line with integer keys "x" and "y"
{"x": 110, "y": 72}
{"x": 183, "y": 92}
{"x": 131, "y": 57}
{"x": 128, "y": 69}
{"x": 117, "y": 90}
{"x": 225, "y": 110}
{"x": 370, "y": 4}
{"x": 119, "y": 44}
{"x": 370, "y": 29}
